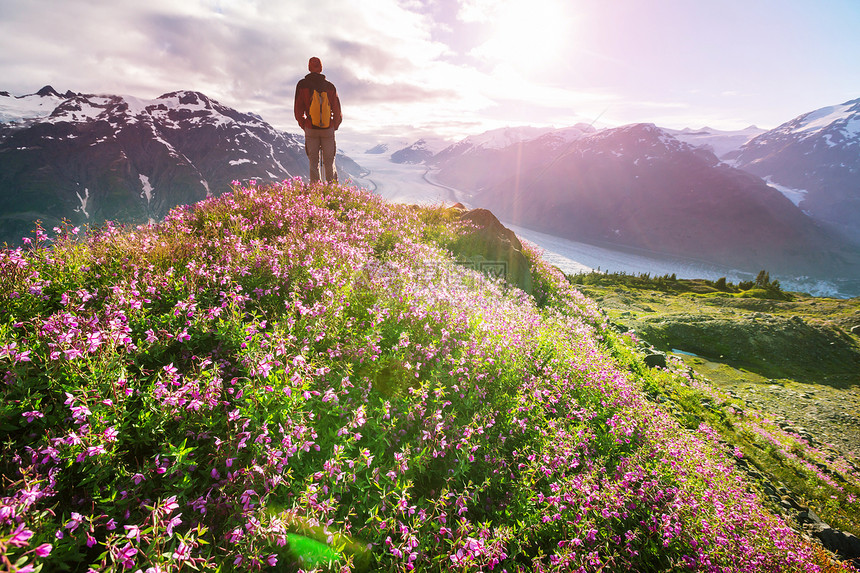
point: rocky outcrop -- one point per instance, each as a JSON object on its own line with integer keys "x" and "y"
{"x": 489, "y": 246}
{"x": 655, "y": 360}
{"x": 843, "y": 544}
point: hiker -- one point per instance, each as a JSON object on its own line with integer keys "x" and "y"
{"x": 317, "y": 109}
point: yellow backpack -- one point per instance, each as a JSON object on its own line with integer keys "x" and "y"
{"x": 320, "y": 109}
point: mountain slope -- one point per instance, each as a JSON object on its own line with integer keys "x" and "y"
{"x": 818, "y": 155}
{"x": 94, "y": 158}
{"x": 639, "y": 187}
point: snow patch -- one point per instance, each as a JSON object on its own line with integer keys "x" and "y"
{"x": 147, "y": 188}
{"x": 27, "y": 107}
{"x": 240, "y": 161}
{"x": 206, "y": 186}
{"x": 793, "y": 195}
{"x": 83, "y": 110}
{"x": 136, "y": 106}
{"x": 84, "y": 200}
{"x": 821, "y": 118}
{"x": 852, "y": 127}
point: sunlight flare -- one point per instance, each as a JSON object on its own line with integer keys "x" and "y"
{"x": 527, "y": 34}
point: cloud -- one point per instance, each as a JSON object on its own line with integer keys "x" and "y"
{"x": 417, "y": 64}
{"x": 477, "y": 10}
{"x": 234, "y": 50}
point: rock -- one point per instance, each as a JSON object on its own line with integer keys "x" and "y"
{"x": 493, "y": 247}
{"x": 656, "y": 359}
{"x": 796, "y": 504}
{"x": 843, "y": 544}
{"x": 811, "y": 518}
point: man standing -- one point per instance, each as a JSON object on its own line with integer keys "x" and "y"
{"x": 317, "y": 109}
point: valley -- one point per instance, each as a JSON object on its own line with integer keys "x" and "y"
{"x": 796, "y": 360}
{"x": 418, "y": 184}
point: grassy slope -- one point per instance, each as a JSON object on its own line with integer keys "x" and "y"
{"x": 792, "y": 365}
{"x": 795, "y": 336}
{"x": 286, "y": 376}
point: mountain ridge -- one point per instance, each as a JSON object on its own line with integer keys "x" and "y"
{"x": 639, "y": 186}
{"x": 91, "y": 158}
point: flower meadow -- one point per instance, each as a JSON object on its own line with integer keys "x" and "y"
{"x": 299, "y": 377}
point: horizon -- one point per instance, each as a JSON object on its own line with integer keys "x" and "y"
{"x": 454, "y": 68}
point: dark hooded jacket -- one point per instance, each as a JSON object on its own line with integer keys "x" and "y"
{"x": 305, "y": 89}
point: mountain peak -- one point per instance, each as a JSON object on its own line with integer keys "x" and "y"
{"x": 48, "y": 91}
{"x": 189, "y": 97}
{"x": 814, "y": 156}
{"x": 844, "y": 116}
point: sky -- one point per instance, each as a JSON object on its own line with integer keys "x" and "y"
{"x": 406, "y": 69}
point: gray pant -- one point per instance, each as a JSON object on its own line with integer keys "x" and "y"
{"x": 320, "y": 142}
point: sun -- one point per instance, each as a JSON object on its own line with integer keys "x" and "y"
{"x": 528, "y": 34}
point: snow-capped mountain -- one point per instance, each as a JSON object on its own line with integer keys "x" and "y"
{"x": 815, "y": 157}
{"x": 90, "y": 158}
{"x": 484, "y": 160}
{"x": 420, "y": 151}
{"x": 718, "y": 142}
{"x": 505, "y": 136}
{"x": 34, "y": 106}
{"x": 640, "y": 187}
{"x": 490, "y": 140}
{"x": 378, "y": 149}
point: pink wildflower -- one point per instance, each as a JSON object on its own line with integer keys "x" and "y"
{"x": 32, "y": 415}
{"x": 20, "y": 537}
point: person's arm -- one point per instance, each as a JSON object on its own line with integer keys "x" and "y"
{"x": 300, "y": 105}
{"x": 337, "y": 117}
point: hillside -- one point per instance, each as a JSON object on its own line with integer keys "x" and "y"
{"x": 788, "y": 358}
{"x": 299, "y": 376}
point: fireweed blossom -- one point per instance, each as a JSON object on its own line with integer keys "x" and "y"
{"x": 305, "y": 366}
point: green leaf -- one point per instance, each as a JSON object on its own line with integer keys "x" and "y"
{"x": 311, "y": 552}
